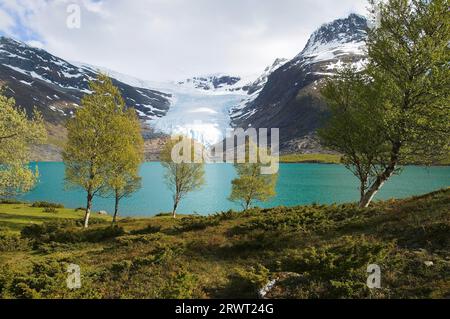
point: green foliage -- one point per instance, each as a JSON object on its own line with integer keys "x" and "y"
{"x": 181, "y": 285}
{"x": 251, "y": 185}
{"x": 123, "y": 176}
{"x": 354, "y": 125}
{"x": 10, "y": 201}
{"x": 246, "y": 282}
{"x": 341, "y": 268}
{"x": 304, "y": 220}
{"x": 47, "y": 205}
{"x": 311, "y": 158}
{"x": 17, "y": 135}
{"x": 45, "y": 278}
{"x": 104, "y": 147}
{"x": 52, "y": 210}
{"x": 12, "y": 242}
{"x": 150, "y": 229}
{"x": 194, "y": 223}
{"x": 408, "y": 57}
{"x": 59, "y": 232}
{"x": 316, "y": 251}
{"x": 185, "y": 177}
{"x": 397, "y": 110}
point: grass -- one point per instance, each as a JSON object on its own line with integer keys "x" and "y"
{"x": 333, "y": 159}
{"x": 313, "y": 251}
{"x": 311, "y": 158}
{"x": 16, "y": 216}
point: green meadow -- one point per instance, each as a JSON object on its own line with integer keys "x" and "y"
{"x": 313, "y": 251}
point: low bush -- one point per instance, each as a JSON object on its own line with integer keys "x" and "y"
{"x": 194, "y": 223}
{"x": 286, "y": 220}
{"x": 11, "y": 202}
{"x": 150, "y": 229}
{"x": 42, "y": 204}
{"x": 63, "y": 232}
{"x": 51, "y": 210}
{"x": 180, "y": 285}
{"x": 163, "y": 215}
{"x": 246, "y": 282}
{"x": 12, "y": 242}
{"x": 340, "y": 268}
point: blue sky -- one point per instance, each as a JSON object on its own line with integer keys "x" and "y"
{"x": 173, "y": 39}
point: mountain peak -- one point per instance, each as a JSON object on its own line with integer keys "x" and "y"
{"x": 55, "y": 86}
{"x": 339, "y": 36}
{"x": 352, "y": 28}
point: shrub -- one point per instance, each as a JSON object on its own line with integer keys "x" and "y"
{"x": 140, "y": 239}
{"x": 63, "y": 232}
{"x": 228, "y": 215}
{"x": 11, "y": 202}
{"x": 47, "y": 205}
{"x": 46, "y": 278}
{"x": 283, "y": 219}
{"x": 118, "y": 268}
{"x": 52, "y": 210}
{"x": 340, "y": 268}
{"x": 246, "y": 282}
{"x": 164, "y": 215}
{"x": 12, "y": 242}
{"x": 181, "y": 285}
{"x": 193, "y": 223}
{"x": 150, "y": 229}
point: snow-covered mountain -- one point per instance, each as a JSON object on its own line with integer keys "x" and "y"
{"x": 203, "y": 104}
{"x": 290, "y": 98}
{"x": 39, "y": 79}
{"x": 285, "y": 95}
{"x": 214, "y": 82}
{"x": 253, "y": 89}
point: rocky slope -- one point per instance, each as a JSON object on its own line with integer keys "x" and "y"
{"x": 290, "y": 98}
{"x": 285, "y": 95}
{"x": 39, "y": 79}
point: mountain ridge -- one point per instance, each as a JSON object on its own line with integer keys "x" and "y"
{"x": 290, "y": 100}
{"x": 286, "y": 95}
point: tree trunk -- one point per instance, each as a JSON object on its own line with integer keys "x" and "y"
{"x": 88, "y": 209}
{"x": 381, "y": 179}
{"x": 247, "y": 205}
{"x": 174, "y": 211}
{"x": 116, "y": 208}
{"x": 362, "y": 190}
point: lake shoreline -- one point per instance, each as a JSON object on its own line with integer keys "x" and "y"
{"x": 282, "y": 162}
{"x": 298, "y": 184}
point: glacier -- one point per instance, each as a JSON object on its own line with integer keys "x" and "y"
{"x": 203, "y": 116}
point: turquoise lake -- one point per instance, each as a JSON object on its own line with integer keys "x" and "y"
{"x": 298, "y": 184}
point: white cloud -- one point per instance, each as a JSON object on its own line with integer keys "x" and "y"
{"x": 172, "y": 39}
{"x": 6, "y": 22}
{"x": 35, "y": 44}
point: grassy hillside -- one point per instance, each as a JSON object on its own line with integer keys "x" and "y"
{"x": 310, "y": 252}
{"x": 311, "y": 158}
{"x": 14, "y": 217}
{"x": 332, "y": 159}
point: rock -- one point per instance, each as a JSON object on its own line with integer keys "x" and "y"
{"x": 102, "y": 212}
{"x": 264, "y": 290}
{"x": 275, "y": 286}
